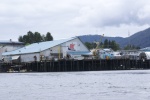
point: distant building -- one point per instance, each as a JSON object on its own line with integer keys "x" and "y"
{"x": 57, "y": 49}
{"x": 145, "y": 53}
{"x": 130, "y": 54}
{"x": 6, "y": 46}
{"x": 108, "y": 53}
{"x": 145, "y": 49}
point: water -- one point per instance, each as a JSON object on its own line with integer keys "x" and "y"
{"x": 98, "y": 85}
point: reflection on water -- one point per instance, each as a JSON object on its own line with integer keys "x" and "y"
{"x": 98, "y": 85}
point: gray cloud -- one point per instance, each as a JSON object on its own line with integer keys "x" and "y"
{"x": 115, "y": 13}
{"x": 73, "y": 17}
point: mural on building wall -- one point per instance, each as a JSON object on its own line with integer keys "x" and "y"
{"x": 72, "y": 47}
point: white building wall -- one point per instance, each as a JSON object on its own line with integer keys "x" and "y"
{"x": 64, "y": 48}
{"x": 8, "y": 48}
{"x": 30, "y": 57}
{"x": 76, "y": 44}
{"x": 54, "y": 50}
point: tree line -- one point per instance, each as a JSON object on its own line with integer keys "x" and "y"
{"x": 131, "y": 47}
{"x": 35, "y": 37}
{"x": 111, "y": 44}
{"x": 106, "y": 44}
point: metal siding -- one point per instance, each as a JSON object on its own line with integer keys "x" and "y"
{"x": 30, "y": 57}
{"x": 8, "y": 48}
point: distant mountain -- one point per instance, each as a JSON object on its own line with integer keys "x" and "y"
{"x": 141, "y": 39}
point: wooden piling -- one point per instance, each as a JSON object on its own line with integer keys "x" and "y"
{"x": 81, "y": 65}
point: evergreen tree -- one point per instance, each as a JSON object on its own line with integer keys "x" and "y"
{"x": 31, "y": 37}
{"x": 38, "y": 37}
{"x": 90, "y": 45}
{"x": 35, "y": 37}
{"x": 111, "y": 44}
{"x": 101, "y": 45}
{"x": 48, "y": 37}
{"x": 106, "y": 43}
{"x": 20, "y": 39}
{"x": 25, "y": 39}
{"x": 131, "y": 47}
{"x": 43, "y": 38}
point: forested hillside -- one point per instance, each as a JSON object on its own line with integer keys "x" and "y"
{"x": 140, "y": 39}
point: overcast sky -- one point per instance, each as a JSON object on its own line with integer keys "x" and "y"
{"x": 69, "y": 18}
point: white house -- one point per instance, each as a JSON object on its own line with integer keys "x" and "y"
{"x": 47, "y": 50}
{"x": 6, "y": 46}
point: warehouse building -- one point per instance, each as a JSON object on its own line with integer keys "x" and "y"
{"x": 57, "y": 49}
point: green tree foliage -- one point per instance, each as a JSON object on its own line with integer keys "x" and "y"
{"x": 114, "y": 45}
{"x": 31, "y": 37}
{"x": 25, "y": 38}
{"x": 111, "y": 44}
{"x": 107, "y": 44}
{"x": 20, "y": 39}
{"x": 90, "y": 45}
{"x": 48, "y": 37}
{"x": 37, "y": 37}
{"x": 131, "y": 47}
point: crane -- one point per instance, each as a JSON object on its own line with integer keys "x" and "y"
{"x": 96, "y": 50}
{"x": 98, "y": 43}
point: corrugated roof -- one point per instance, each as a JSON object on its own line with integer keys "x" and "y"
{"x": 37, "y": 47}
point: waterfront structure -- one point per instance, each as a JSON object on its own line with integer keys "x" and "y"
{"x": 130, "y": 54}
{"x": 144, "y": 55}
{"x": 57, "y": 49}
{"x": 7, "y": 46}
{"x": 106, "y": 53}
{"x": 147, "y": 49}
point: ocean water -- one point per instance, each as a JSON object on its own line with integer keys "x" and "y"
{"x": 95, "y": 85}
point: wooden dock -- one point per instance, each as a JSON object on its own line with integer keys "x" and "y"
{"x": 79, "y": 65}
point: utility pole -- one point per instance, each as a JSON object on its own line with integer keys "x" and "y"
{"x": 129, "y": 39}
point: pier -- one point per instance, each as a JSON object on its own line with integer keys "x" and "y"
{"x": 77, "y": 65}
